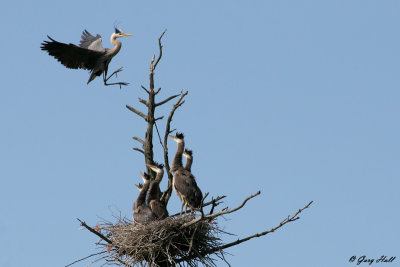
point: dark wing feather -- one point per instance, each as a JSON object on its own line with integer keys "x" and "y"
{"x": 186, "y": 185}
{"x": 90, "y": 42}
{"x": 143, "y": 215}
{"x": 72, "y": 56}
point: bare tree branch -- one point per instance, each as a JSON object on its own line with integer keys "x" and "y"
{"x": 137, "y": 112}
{"x": 139, "y": 150}
{"x": 87, "y": 257}
{"x": 147, "y": 91}
{"x": 160, "y": 47}
{"x": 166, "y": 100}
{"x": 167, "y": 194}
{"x": 143, "y": 102}
{"x": 94, "y": 231}
{"x": 220, "y": 248}
{"x": 222, "y": 212}
{"x": 138, "y": 139}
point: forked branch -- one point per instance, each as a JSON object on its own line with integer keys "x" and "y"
{"x": 292, "y": 218}
{"x": 167, "y": 193}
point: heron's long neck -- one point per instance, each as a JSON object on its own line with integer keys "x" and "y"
{"x": 142, "y": 195}
{"x": 189, "y": 161}
{"x": 117, "y": 45}
{"x": 178, "y": 157}
{"x": 153, "y": 190}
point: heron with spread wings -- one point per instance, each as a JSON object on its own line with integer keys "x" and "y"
{"x": 89, "y": 55}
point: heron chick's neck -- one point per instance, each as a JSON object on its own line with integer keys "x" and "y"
{"x": 142, "y": 195}
{"x": 189, "y": 161}
{"x": 178, "y": 157}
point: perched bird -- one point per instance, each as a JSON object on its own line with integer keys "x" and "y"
{"x": 141, "y": 212}
{"x": 89, "y": 55}
{"x": 183, "y": 181}
{"x": 153, "y": 198}
{"x": 188, "y": 154}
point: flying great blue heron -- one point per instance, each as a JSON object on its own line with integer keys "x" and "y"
{"x": 183, "y": 181}
{"x": 153, "y": 199}
{"x": 89, "y": 55}
{"x": 141, "y": 212}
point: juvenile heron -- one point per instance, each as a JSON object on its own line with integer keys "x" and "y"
{"x": 153, "y": 198}
{"x": 141, "y": 212}
{"x": 183, "y": 181}
{"x": 89, "y": 55}
{"x": 188, "y": 154}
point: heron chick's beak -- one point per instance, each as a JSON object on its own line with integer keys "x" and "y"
{"x": 154, "y": 168}
{"x": 144, "y": 178}
{"x": 139, "y": 187}
{"x": 173, "y": 137}
{"x": 126, "y": 34}
{"x": 151, "y": 167}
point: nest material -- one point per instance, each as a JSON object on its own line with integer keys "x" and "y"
{"x": 164, "y": 243}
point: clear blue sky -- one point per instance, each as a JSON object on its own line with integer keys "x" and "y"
{"x": 298, "y": 99}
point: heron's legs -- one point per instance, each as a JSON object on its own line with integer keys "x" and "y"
{"x": 114, "y": 73}
{"x": 183, "y": 204}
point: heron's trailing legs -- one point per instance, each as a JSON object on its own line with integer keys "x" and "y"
{"x": 112, "y": 74}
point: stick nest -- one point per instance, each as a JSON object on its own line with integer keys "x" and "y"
{"x": 163, "y": 243}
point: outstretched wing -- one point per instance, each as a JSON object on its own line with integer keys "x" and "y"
{"x": 90, "y": 42}
{"x": 72, "y": 56}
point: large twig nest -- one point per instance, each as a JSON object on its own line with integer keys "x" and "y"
{"x": 164, "y": 243}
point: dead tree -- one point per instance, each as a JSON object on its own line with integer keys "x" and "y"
{"x": 177, "y": 240}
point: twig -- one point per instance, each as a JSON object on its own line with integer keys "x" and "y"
{"x": 138, "y": 139}
{"x": 94, "y": 231}
{"x": 166, "y": 100}
{"x": 139, "y": 150}
{"x": 94, "y": 254}
{"x": 144, "y": 102}
{"x": 160, "y": 47}
{"x": 167, "y": 194}
{"x": 221, "y": 248}
{"x": 147, "y": 91}
{"x": 222, "y": 212}
{"x": 291, "y": 219}
{"x": 205, "y": 204}
{"x": 137, "y": 112}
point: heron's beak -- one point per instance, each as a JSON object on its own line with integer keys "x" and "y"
{"x": 126, "y": 34}
{"x": 139, "y": 187}
{"x": 151, "y": 167}
{"x": 173, "y": 137}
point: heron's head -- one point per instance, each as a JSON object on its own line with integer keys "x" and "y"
{"x": 145, "y": 177}
{"x": 188, "y": 153}
{"x": 158, "y": 168}
{"x": 139, "y": 186}
{"x": 178, "y": 137}
{"x": 118, "y": 33}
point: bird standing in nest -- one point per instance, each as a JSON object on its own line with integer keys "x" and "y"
{"x": 89, "y": 55}
{"x": 141, "y": 212}
{"x": 153, "y": 199}
{"x": 183, "y": 181}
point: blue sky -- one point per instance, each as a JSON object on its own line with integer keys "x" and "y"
{"x": 298, "y": 99}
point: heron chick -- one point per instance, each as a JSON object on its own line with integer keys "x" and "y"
{"x": 89, "y": 55}
{"x": 183, "y": 181}
{"x": 141, "y": 212}
{"x": 153, "y": 199}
